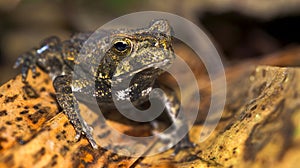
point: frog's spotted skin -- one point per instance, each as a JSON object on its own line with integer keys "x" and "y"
{"x": 141, "y": 53}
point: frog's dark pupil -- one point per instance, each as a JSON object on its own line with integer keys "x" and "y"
{"x": 121, "y": 46}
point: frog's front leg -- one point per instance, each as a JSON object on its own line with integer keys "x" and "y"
{"x": 179, "y": 124}
{"x": 69, "y": 104}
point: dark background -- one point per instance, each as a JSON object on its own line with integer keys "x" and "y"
{"x": 241, "y": 30}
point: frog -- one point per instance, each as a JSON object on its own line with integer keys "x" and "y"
{"x": 142, "y": 54}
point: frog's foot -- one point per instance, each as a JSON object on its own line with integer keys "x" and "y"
{"x": 171, "y": 139}
{"x": 82, "y": 128}
{"x": 27, "y": 62}
{"x": 185, "y": 143}
{"x": 169, "y": 142}
{"x": 85, "y": 130}
{"x": 167, "y": 139}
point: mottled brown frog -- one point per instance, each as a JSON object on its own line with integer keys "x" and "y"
{"x": 110, "y": 57}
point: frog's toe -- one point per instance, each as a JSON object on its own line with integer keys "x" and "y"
{"x": 27, "y": 61}
{"x": 168, "y": 140}
{"x": 87, "y": 131}
{"x": 90, "y": 138}
{"x": 77, "y": 136}
{"x": 185, "y": 143}
{"x": 92, "y": 141}
{"x": 171, "y": 140}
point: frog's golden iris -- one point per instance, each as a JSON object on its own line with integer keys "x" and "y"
{"x": 122, "y": 46}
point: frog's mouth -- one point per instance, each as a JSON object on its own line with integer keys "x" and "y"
{"x": 156, "y": 68}
{"x": 160, "y": 65}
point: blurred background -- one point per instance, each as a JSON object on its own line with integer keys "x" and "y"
{"x": 240, "y": 29}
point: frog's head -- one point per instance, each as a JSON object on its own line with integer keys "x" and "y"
{"x": 148, "y": 50}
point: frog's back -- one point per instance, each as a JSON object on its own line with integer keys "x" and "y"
{"x": 70, "y": 49}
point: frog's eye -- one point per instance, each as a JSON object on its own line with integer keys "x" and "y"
{"x": 122, "y": 46}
